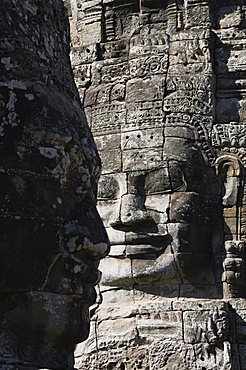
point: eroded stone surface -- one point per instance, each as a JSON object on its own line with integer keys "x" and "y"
{"x": 52, "y": 237}
{"x": 180, "y": 334}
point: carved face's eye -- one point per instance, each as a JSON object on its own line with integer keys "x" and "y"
{"x": 108, "y": 187}
{"x": 157, "y": 182}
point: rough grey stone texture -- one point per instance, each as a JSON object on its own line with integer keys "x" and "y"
{"x": 52, "y": 237}
{"x": 163, "y": 86}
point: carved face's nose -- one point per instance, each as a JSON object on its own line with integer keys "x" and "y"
{"x": 132, "y": 212}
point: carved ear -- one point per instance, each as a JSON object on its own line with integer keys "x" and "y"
{"x": 228, "y": 169}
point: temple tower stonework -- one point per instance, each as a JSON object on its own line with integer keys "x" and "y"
{"x": 163, "y": 87}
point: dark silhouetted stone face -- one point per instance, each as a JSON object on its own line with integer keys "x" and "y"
{"x": 163, "y": 86}
{"x": 51, "y": 236}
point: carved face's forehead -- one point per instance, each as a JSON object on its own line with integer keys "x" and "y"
{"x": 147, "y": 86}
{"x": 143, "y": 104}
{"x": 55, "y": 151}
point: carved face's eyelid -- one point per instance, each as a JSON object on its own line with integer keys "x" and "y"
{"x": 107, "y": 196}
{"x": 148, "y": 181}
{"x": 169, "y": 191}
{"x": 148, "y": 172}
{"x": 159, "y": 171}
{"x": 106, "y": 199}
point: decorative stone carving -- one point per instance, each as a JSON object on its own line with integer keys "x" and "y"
{"x": 52, "y": 237}
{"x": 166, "y": 105}
{"x": 233, "y": 277}
{"x": 173, "y": 334}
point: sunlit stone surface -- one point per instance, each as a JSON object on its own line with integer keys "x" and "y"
{"x": 163, "y": 86}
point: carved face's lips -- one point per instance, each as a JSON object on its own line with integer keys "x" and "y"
{"x": 140, "y": 238}
{"x": 143, "y": 244}
{"x": 146, "y": 238}
{"x": 144, "y": 250}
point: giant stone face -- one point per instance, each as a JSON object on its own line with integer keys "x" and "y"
{"x": 52, "y": 237}
{"x": 148, "y": 94}
{"x": 163, "y": 85}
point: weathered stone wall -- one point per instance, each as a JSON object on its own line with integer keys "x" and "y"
{"x": 51, "y": 236}
{"x": 162, "y": 83}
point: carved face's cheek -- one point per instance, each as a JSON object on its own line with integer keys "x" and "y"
{"x": 158, "y": 206}
{"x": 25, "y": 195}
{"x": 157, "y": 182}
{"x": 83, "y": 234}
{"x": 109, "y": 193}
{"x": 108, "y": 209}
{"x": 108, "y": 188}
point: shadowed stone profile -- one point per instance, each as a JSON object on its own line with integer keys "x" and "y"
{"x": 51, "y": 236}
